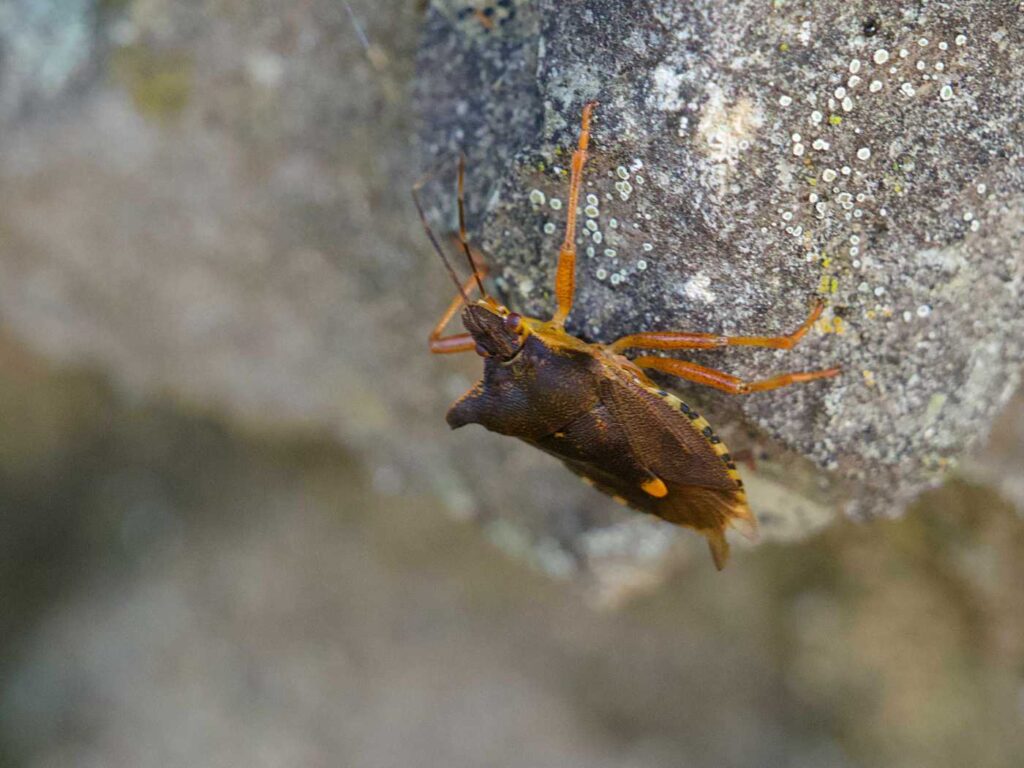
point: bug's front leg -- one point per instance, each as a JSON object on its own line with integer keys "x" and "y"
{"x": 457, "y": 342}
{"x": 565, "y": 277}
{"x": 726, "y": 382}
{"x": 684, "y": 340}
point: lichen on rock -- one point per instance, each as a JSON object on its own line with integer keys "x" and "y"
{"x": 747, "y": 158}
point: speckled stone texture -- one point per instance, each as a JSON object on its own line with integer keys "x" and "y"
{"x": 238, "y": 532}
{"x": 748, "y": 157}
{"x": 209, "y": 201}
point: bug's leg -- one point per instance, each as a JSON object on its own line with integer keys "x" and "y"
{"x": 485, "y": 21}
{"x": 565, "y": 277}
{"x": 745, "y": 456}
{"x": 734, "y": 385}
{"x": 683, "y": 340}
{"x": 458, "y": 342}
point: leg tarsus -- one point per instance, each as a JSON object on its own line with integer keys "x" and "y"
{"x": 785, "y": 379}
{"x": 684, "y": 340}
{"x": 726, "y": 382}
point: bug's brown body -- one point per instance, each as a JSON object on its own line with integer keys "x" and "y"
{"x": 595, "y": 409}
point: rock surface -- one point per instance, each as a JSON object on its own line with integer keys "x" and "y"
{"x": 204, "y": 208}
{"x": 210, "y": 201}
{"x": 205, "y": 597}
{"x": 747, "y": 157}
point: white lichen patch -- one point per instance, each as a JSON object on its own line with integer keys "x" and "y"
{"x": 698, "y": 288}
{"x": 726, "y": 129}
{"x": 666, "y": 88}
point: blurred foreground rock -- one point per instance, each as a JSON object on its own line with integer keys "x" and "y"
{"x": 210, "y": 201}
{"x": 201, "y": 596}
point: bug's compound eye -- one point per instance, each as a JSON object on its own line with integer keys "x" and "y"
{"x": 514, "y": 322}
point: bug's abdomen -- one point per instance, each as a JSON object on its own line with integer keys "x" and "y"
{"x": 642, "y": 450}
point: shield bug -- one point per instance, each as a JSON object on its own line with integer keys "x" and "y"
{"x": 594, "y": 408}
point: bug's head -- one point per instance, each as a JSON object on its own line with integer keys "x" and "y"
{"x": 498, "y": 333}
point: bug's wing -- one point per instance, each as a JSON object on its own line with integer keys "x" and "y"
{"x": 703, "y": 504}
{"x": 703, "y": 491}
{"x": 664, "y": 440}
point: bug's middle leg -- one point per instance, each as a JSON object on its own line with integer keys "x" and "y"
{"x": 683, "y": 340}
{"x": 726, "y": 382}
{"x": 565, "y": 277}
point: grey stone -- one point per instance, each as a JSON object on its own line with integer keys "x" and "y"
{"x": 219, "y": 214}
{"x": 754, "y": 155}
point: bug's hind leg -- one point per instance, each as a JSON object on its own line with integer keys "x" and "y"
{"x": 565, "y": 277}
{"x": 734, "y": 385}
{"x": 684, "y": 340}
